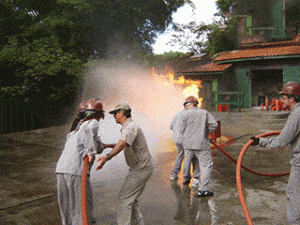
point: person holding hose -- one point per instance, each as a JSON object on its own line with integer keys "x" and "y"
{"x": 177, "y": 138}
{"x": 139, "y": 160}
{"x": 83, "y": 140}
{"x": 290, "y": 135}
{"x": 195, "y": 125}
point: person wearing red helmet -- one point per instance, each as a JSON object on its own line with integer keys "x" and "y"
{"x": 83, "y": 140}
{"x": 80, "y": 115}
{"x": 177, "y": 138}
{"x": 290, "y": 135}
{"x": 195, "y": 125}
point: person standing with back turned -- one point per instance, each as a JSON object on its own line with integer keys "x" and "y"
{"x": 177, "y": 138}
{"x": 290, "y": 135}
{"x": 195, "y": 126}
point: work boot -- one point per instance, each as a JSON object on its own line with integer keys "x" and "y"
{"x": 205, "y": 193}
{"x": 195, "y": 182}
{"x": 174, "y": 176}
{"x": 186, "y": 182}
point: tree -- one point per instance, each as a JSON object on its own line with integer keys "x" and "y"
{"x": 128, "y": 28}
{"x": 160, "y": 59}
{"x": 224, "y": 6}
{"x": 41, "y": 57}
{"x": 44, "y": 75}
{"x": 44, "y": 44}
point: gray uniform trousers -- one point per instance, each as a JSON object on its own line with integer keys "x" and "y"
{"x": 293, "y": 196}
{"x": 205, "y": 162}
{"x": 132, "y": 188}
{"x": 178, "y": 163}
{"x": 69, "y": 199}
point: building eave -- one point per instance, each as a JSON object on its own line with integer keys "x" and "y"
{"x": 198, "y": 73}
{"x": 230, "y": 61}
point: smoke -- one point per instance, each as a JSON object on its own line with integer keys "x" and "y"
{"x": 153, "y": 103}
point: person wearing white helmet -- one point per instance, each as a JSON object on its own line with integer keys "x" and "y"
{"x": 139, "y": 160}
{"x": 83, "y": 140}
{"x": 195, "y": 125}
{"x": 290, "y": 135}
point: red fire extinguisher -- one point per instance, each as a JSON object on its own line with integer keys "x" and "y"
{"x": 267, "y": 103}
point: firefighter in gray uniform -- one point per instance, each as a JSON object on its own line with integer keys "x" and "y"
{"x": 177, "y": 138}
{"x": 290, "y": 135}
{"x": 139, "y": 160}
{"x": 195, "y": 126}
{"x": 83, "y": 140}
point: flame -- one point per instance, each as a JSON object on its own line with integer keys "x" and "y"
{"x": 188, "y": 87}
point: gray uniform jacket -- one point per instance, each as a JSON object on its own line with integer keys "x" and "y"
{"x": 195, "y": 125}
{"x": 290, "y": 134}
{"x": 137, "y": 155}
{"x": 79, "y": 143}
{"x": 174, "y": 126}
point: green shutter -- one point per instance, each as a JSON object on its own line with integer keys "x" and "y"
{"x": 291, "y": 74}
{"x": 249, "y": 23}
{"x": 278, "y": 17}
{"x": 244, "y": 85}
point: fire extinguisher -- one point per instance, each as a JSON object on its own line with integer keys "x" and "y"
{"x": 261, "y": 106}
{"x": 267, "y": 103}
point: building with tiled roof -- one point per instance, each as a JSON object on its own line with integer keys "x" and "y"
{"x": 268, "y": 56}
{"x": 253, "y": 72}
{"x": 263, "y": 51}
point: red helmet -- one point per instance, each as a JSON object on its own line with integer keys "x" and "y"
{"x": 290, "y": 88}
{"x": 82, "y": 106}
{"x": 94, "y": 104}
{"x": 191, "y": 99}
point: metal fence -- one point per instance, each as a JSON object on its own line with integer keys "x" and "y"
{"x": 16, "y": 117}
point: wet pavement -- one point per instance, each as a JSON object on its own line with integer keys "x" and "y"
{"x": 28, "y": 185}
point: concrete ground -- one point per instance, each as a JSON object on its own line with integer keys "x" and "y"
{"x": 28, "y": 185}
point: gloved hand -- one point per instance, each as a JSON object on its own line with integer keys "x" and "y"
{"x": 255, "y": 140}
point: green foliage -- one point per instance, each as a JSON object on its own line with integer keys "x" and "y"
{"x": 224, "y": 6}
{"x": 151, "y": 60}
{"x": 220, "y": 40}
{"x": 44, "y": 44}
{"x": 167, "y": 56}
{"x": 44, "y": 74}
{"x": 128, "y": 28}
{"x": 212, "y": 38}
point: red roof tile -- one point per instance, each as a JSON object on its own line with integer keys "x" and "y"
{"x": 210, "y": 67}
{"x": 269, "y": 52}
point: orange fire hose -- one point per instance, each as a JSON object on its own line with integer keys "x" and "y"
{"x": 83, "y": 191}
{"x": 238, "y": 175}
{"x": 238, "y": 178}
{"x": 246, "y": 168}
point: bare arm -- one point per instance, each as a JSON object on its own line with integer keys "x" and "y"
{"x": 108, "y": 145}
{"x": 116, "y": 150}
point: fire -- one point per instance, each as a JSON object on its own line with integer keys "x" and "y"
{"x": 188, "y": 87}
